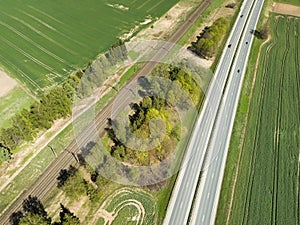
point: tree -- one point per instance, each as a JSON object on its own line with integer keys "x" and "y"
{"x": 34, "y": 219}
{"x": 67, "y": 217}
{"x": 5, "y": 154}
{"x": 264, "y": 32}
{"x": 119, "y": 152}
{"x": 34, "y": 206}
{"x": 208, "y": 42}
{"x": 75, "y": 186}
{"x": 15, "y": 218}
{"x": 64, "y": 175}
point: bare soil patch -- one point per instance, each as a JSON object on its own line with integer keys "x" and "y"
{"x": 286, "y": 9}
{"x": 6, "y": 83}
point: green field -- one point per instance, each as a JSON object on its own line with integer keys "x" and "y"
{"x": 41, "y": 42}
{"x": 14, "y": 101}
{"x": 130, "y": 206}
{"x": 267, "y": 188}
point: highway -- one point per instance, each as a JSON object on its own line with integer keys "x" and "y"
{"x": 184, "y": 191}
{"x": 206, "y": 201}
{"x": 47, "y": 180}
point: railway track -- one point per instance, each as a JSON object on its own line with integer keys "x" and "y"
{"x": 47, "y": 180}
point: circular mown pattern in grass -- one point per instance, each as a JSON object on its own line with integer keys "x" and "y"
{"x": 128, "y": 206}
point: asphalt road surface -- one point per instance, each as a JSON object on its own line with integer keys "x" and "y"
{"x": 205, "y": 206}
{"x": 46, "y": 181}
{"x": 184, "y": 191}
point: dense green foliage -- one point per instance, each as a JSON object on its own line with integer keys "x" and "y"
{"x": 159, "y": 100}
{"x": 5, "y": 154}
{"x": 75, "y": 186}
{"x": 33, "y": 213}
{"x": 67, "y": 217}
{"x": 57, "y": 102}
{"x": 209, "y": 40}
{"x": 267, "y": 188}
{"x": 53, "y": 105}
{"x": 42, "y": 42}
{"x": 33, "y": 219}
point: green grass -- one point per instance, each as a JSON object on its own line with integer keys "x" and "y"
{"x": 124, "y": 78}
{"x": 186, "y": 38}
{"x": 41, "y": 42}
{"x": 28, "y": 175}
{"x": 162, "y": 198}
{"x": 292, "y": 2}
{"x": 267, "y": 189}
{"x": 13, "y": 102}
{"x": 126, "y": 202}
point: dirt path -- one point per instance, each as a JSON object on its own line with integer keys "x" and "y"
{"x": 40, "y": 143}
{"x": 286, "y": 9}
{"x": 244, "y": 130}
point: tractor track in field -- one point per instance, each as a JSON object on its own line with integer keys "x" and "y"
{"x": 277, "y": 130}
{"x": 269, "y": 192}
{"x": 20, "y": 34}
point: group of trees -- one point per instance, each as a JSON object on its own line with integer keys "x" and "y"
{"x": 100, "y": 69}
{"x": 33, "y": 213}
{"x": 40, "y": 116}
{"x": 209, "y": 40}
{"x": 75, "y": 186}
{"x": 57, "y": 103}
{"x": 159, "y": 97}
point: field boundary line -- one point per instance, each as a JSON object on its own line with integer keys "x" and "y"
{"x": 245, "y": 127}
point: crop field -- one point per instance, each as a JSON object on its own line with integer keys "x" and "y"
{"x": 128, "y": 206}
{"x": 41, "y": 42}
{"x": 267, "y": 188}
